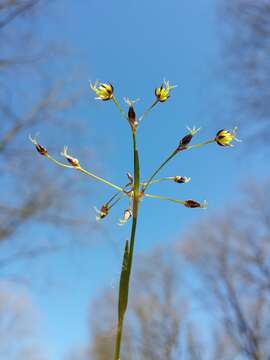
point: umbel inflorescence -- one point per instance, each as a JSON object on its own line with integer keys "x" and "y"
{"x": 104, "y": 92}
{"x": 135, "y": 190}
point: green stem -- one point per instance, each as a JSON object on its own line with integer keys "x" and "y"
{"x": 113, "y": 197}
{"x": 120, "y": 197}
{"x": 165, "y": 198}
{"x": 58, "y": 162}
{"x": 148, "y": 182}
{"x": 100, "y": 179}
{"x": 147, "y": 111}
{"x": 169, "y": 178}
{"x": 136, "y": 199}
{"x": 200, "y": 145}
{"x": 79, "y": 168}
{"x": 171, "y": 156}
{"x": 119, "y": 107}
{"x": 118, "y": 339}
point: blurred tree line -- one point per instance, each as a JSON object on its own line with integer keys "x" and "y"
{"x": 245, "y": 30}
{"x": 19, "y": 325}
{"x": 33, "y": 97}
{"x": 205, "y": 296}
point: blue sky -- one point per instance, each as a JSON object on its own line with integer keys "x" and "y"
{"x": 134, "y": 45}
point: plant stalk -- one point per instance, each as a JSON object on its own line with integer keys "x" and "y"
{"x": 148, "y": 182}
{"x": 126, "y": 269}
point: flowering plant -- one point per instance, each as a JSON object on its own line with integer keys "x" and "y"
{"x": 136, "y": 190}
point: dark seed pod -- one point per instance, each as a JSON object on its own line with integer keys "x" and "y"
{"x": 132, "y": 118}
{"x": 131, "y": 115}
{"x": 185, "y": 141}
{"x": 104, "y": 211}
{"x": 181, "y": 179}
{"x": 41, "y": 149}
{"x": 74, "y": 162}
{"x": 192, "y": 204}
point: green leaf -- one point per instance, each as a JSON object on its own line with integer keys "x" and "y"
{"x": 123, "y": 285}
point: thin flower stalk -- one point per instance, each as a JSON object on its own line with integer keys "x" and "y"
{"x": 201, "y": 144}
{"x": 98, "y": 178}
{"x": 170, "y": 157}
{"x": 119, "y": 198}
{"x": 86, "y": 172}
{"x": 147, "y": 111}
{"x": 186, "y": 203}
{"x": 119, "y": 107}
{"x": 168, "y": 178}
{"x": 164, "y": 198}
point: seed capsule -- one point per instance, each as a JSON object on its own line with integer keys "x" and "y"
{"x": 185, "y": 141}
{"x": 126, "y": 216}
{"x": 40, "y": 149}
{"x": 181, "y": 179}
{"x": 103, "y": 212}
{"x": 72, "y": 160}
{"x": 192, "y": 204}
{"x": 132, "y": 118}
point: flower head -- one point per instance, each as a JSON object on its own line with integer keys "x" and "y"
{"x": 102, "y": 213}
{"x": 103, "y": 91}
{"x": 163, "y": 92}
{"x": 225, "y": 137}
{"x": 42, "y": 150}
{"x": 73, "y": 161}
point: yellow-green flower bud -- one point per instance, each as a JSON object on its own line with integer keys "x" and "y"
{"x": 103, "y": 91}
{"x": 225, "y": 137}
{"x": 163, "y": 92}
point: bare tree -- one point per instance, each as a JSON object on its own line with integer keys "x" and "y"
{"x": 204, "y": 297}
{"x": 154, "y": 324}
{"x": 246, "y": 51}
{"x": 231, "y": 256}
{"x": 18, "y": 340}
{"x": 30, "y": 99}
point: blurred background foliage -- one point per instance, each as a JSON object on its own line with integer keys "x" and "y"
{"x": 203, "y": 295}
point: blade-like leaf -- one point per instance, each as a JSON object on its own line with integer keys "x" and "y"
{"x": 123, "y": 285}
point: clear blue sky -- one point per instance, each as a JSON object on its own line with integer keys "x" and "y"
{"x": 134, "y": 45}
